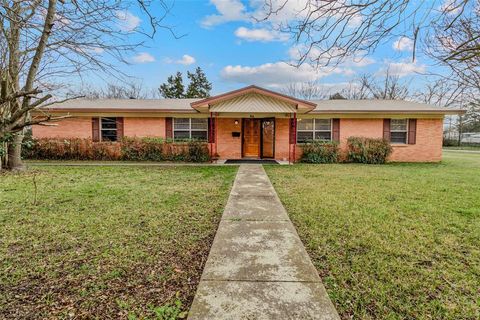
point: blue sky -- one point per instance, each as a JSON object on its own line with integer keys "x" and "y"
{"x": 220, "y": 37}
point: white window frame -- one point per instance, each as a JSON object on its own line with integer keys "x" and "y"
{"x": 108, "y": 129}
{"x": 403, "y": 131}
{"x": 314, "y": 130}
{"x": 190, "y": 130}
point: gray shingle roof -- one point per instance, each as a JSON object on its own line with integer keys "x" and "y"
{"x": 357, "y": 106}
{"x": 183, "y": 105}
{"x": 125, "y": 104}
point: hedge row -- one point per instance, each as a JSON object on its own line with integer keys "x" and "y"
{"x": 134, "y": 149}
{"x": 359, "y": 150}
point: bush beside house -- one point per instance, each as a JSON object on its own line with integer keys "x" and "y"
{"x": 130, "y": 149}
{"x": 320, "y": 152}
{"x": 368, "y": 150}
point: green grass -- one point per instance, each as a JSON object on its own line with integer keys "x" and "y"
{"x": 396, "y": 241}
{"x": 106, "y": 242}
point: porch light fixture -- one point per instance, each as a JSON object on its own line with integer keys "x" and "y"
{"x": 236, "y": 122}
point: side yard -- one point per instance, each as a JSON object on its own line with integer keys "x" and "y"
{"x": 106, "y": 242}
{"x": 396, "y": 241}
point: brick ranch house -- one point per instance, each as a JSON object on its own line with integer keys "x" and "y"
{"x": 253, "y": 122}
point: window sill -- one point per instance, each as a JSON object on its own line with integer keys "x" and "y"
{"x": 399, "y": 145}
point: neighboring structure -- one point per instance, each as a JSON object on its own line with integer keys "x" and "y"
{"x": 257, "y": 123}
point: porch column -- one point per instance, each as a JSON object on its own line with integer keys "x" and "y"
{"x": 289, "y": 138}
{"x": 210, "y": 136}
{"x": 215, "y": 127}
{"x": 294, "y": 136}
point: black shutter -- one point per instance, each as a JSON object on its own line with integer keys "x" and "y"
{"x": 95, "y": 129}
{"x": 336, "y": 130}
{"x": 412, "y": 131}
{"x": 168, "y": 128}
{"x": 386, "y": 129}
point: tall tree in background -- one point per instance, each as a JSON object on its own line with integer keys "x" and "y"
{"x": 199, "y": 86}
{"x": 173, "y": 88}
{"x": 42, "y": 40}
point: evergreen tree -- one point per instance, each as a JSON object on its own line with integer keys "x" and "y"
{"x": 199, "y": 86}
{"x": 174, "y": 87}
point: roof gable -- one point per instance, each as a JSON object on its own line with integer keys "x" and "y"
{"x": 263, "y": 94}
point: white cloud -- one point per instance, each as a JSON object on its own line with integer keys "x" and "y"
{"x": 403, "y": 44}
{"x": 260, "y": 34}
{"x": 143, "y": 57}
{"x": 276, "y": 74}
{"x": 186, "y": 60}
{"x": 402, "y": 69}
{"x": 128, "y": 22}
{"x": 228, "y": 10}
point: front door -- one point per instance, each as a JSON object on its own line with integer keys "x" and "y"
{"x": 268, "y": 138}
{"x": 251, "y": 138}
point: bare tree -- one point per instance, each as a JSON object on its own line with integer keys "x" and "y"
{"x": 356, "y": 90}
{"x": 388, "y": 87}
{"x": 305, "y": 90}
{"x": 128, "y": 90}
{"x": 46, "y": 39}
{"x": 329, "y": 32}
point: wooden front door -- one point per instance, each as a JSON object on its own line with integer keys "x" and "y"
{"x": 251, "y": 138}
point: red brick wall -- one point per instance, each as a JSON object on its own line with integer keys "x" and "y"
{"x": 144, "y": 127}
{"x": 229, "y": 147}
{"x": 81, "y": 127}
{"x": 427, "y": 149}
{"x": 67, "y": 128}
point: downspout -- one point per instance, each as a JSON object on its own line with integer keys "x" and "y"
{"x": 294, "y": 136}
{"x": 210, "y": 129}
{"x": 216, "y": 132}
{"x": 289, "y": 138}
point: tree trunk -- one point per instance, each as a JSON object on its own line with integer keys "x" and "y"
{"x": 14, "y": 157}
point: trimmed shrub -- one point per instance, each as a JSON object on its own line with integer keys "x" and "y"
{"x": 368, "y": 150}
{"x": 197, "y": 152}
{"x": 320, "y": 152}
{"x": 131, "y": 149}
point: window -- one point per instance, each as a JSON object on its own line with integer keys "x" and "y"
{"x": 398, "y": 130}
{"x": 190, "y": 128}
{"x": 314, "y": 129}
{"x": 108, "y": 129}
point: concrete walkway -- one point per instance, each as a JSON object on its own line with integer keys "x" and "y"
{"x": 257, "y": 267}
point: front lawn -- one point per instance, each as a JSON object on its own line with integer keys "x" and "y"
{"x": 106, "y": 242}
{"x": 396, "y": 241}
